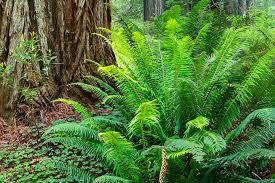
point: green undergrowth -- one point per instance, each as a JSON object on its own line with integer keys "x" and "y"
{"x": 34, "y": 162}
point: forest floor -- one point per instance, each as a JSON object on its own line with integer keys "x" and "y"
{"x": 24, "y": 154}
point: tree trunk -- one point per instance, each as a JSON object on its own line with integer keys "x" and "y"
{"x": 228, "y": 7}
{"x": 63, "y": 26}
{"x": 152, "y": 8}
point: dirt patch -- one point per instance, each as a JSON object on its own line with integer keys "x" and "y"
{"x": 19, "y": 131}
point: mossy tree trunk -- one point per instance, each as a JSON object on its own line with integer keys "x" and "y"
{"x": 63, "y": 26}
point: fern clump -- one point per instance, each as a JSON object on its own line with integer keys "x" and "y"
{"x": 179, "y": 92}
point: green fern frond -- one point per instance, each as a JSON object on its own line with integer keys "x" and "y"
{"x": 174, "y": 12}
{"x": 214, "y": 142}
{"x": 144, "y": 61}
{"x": 109, "y": 89}
{"x": 110, "y": 179}
{"x": 121, "y": 154}
{"x": 80, "y": 109}
{"x": 242, "y": 156}
{"x": 136, "y": 93}
{"x": 218, "y": 66}
{"x": 114, "y": 99}
{"x": 176, "y": 147}
{"x": 73, "y": 129}
{"x": 198, "y": 123}
{"x": 94, "y": 89}
{"x": 200, "y": 43}
{"x": 266, "y": 115}
{"x": 113, "y": 120}
{"x": 146, "y": 121}
{"x": 193, "y": 16}
{"x": 92, "y": 148}
{"x": 187, "y": 101}
{"x": 177, "y": 52}
{"x": 77, "y": 173}
{"x": 259, "y": 138}
{"x": 259, "y": 73}
{"x": 153, "y": 150}
{"x": 174, "y": 155}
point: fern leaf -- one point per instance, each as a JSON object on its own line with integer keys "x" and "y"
{"x": 77, "y": 173}
{"x": 80, "y": 109}
{"x": 90, "y": 88}
{"x": 178, "y": 147}
{"x": 92, "y": 148}
{"x": 121, "y": 154}
{"x": 109, "y": 89}
{"x": 242, "y": 156}
{"x": 250, "y": 180}
{"x": 110, "y": 179}
{"x": 258, "y": 138}
{"x": 214, "y": 142}
{"x": 193, "y": 15}
{"x": 146, "y": 118}
{"x": 73, "y": 129}
{"x": 265, "y": 115}
{"x": 199, "y": 123}
{"x": 259, "y": 73}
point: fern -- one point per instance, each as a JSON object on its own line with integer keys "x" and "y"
{"x": 239, "y": 157}
{"x": 200, "y": 43}
{"x": 214, "y": 142}
{"x": 266, "y": 115}
{"x": 258, "y": 138}
{"x": 217, "y": 68}
{"x": 146, "y": 122}
{"x": 76, "y": 173}
{"x": 80, "y": 109}
{"x": 90, "y": 88}
{"x": 192, "y": 17}
{"x": 121, "y": 154}
{"x": 181, "y": 82}
{"x": 249, "y": 180}
{"x": 73, "y": 129}
{"x": 134, "y": 91}
{"x": 89, "y": 147}
{"x": 110, "y": 179}
{"x": 199, "y": 123}
{"x": 187, "y": 102}
{"x": 109, "y": 89}
{"x": 179, "y": 147}
{"x": 244, "y": 92}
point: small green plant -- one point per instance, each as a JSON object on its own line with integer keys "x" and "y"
{"x": 35, "y": 162}
{"x": 29, "y": 95}
{"x": 34, "y": 65}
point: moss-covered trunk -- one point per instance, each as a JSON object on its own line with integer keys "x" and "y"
{"x": 63, "y": 26}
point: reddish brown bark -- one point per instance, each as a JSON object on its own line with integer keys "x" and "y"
{"x": 63, "y": 26}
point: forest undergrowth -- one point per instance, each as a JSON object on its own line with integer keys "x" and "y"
{"x": 190, "y": 99}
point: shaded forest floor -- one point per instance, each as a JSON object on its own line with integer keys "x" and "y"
{"x": 24, "y": 155}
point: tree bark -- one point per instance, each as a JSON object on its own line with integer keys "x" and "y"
{"x": 63, "y": 26}
{"x": 228, "y": 6}
{"x": 152, "y": 8}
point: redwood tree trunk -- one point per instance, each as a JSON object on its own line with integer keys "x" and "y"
{"x": 63, "y": 26}
{"x": 152, "y": 8}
